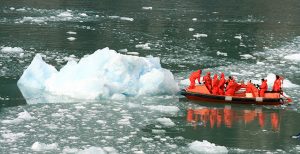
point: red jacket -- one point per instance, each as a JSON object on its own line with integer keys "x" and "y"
{"x": 277, "y": 85}
{"x": 195, "y": 75}
{"x": 215, "y": 85}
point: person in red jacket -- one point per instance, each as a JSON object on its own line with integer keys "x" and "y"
{"x": 215, "y": 85}
{"x": 230, "y": 89}
{"x": 207, "y": 81}
{"x": 193, "y": 77}
{"x": 263, "y": 87}
{"x": 277, "y": 84}
{"x": 222, "y": 84}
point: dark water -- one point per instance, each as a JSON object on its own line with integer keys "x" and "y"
{"x": 266, "y": 30}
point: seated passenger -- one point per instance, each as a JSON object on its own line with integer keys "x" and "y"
{"x": 207, "y": 81}
{"x": 215, "y": 85}
{"x": 222, "y": 84}
{"x": 263, "y": 87}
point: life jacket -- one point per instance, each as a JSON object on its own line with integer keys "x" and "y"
{"x": 230, "y": 89}
{"x": 207, "y": 81}
{"x": 263, "y": 87}
{"x": 215, "y": 85}
{"x": 277, "y": 85}
{"x": 221, "y": 84}
{"x": 195, "y": 75}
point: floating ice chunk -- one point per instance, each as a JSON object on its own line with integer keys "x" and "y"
{"x": 164, "y": 109}
{"x": 247, "y": 56}
{"x": 124, "y": 121}
{"x": 260, "y": 63}
{"x": 143, "y": 46}
{"x": 101, "y": 74}
{"x": 197, "y": 35}
{"x": 191, "y": 29}
{"x": 133, "y": 53}
{"x": 221, "y": 53}
{"x": 123, "y": 50}
{"x": 36, "y": 74}
{"x": 12, "y": 137}
{"x": 65, "y": 14}
{"x": 126, "y": 18}
{"x": 194, "y": 19}
{"x": 22, "y": 116}
{"x": 71, "y": 33}
{"x": 158, "y": 131}
{"x": 12, "y": 8}
{"x": 167, "y": 122}
{"x": 83, "y": 14}
{"x": 206, "y": 147}
{"x": 238, "y": 37}
{"x": 92, "y": 150}
{"x": 70, "y": 150}
{"x": 71, "y": 38}
{"x": 294, "y": 57}
{"x": 118, "y": 97}
{"x": 147, "y": 8}
{"x": 12, "y": 49}
{"x": 114, "y": 17}
{"x": 37, "y": 146}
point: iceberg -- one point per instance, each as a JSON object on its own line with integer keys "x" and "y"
{"x": 103, "y": 74}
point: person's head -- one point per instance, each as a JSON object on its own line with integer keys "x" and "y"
{"x": 222, "y": 74}
{"x": 249, "y": 81}
{"x": 230, "y": 77}
{"x": 277, "y": 77}
{"x": 208, "y": 73}
{"x": 262, "y": 80}
{"x": 200, "y": 71}
{"x": 215, "y": 76}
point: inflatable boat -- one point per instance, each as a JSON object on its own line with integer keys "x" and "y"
{"x": 201, "y": 93}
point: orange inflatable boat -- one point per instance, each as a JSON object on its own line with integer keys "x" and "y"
{"x": 201, "y": 93}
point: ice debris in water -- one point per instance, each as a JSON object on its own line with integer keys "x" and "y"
{"x": 206, "y": 147}
{"x": 167, "y": 122}
{"x": 11, "y": 49}
{"x": 105, "y": 73}
{"x": 22, "y": 116}
{"x": 98, "y": 150}
{"x": 147, "y": 8}
{"x": 37, "y": 146}
{"x": 197, "y": 35}
{"x": 65, "y": 14}
{"x": 294, "y": 57}
{"x": 143, "y": 46}
{"x": 71, "y": 38}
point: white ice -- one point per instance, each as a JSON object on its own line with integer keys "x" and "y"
{"x": 71, "y": 38}
{"x": 22, "y": 116}
{"x": 103, "y": 74}
{"x": 143, "y": 46}
{"x": 206, "y": 147}
{"x": 167, "y": 122}
{"x": 147, "y": 8}
{"x": 197, "y": 35}
{"x": 294, "y": 57}
{"x": 11, "y": 49}
{"x": 92, "y": 150}
{"x": 37, "y": 146}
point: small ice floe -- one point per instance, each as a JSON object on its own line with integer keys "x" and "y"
{"x": 164, "y": 109}
{"x": 238, "y": 37}
{"x": 71, "y": 38}
{"x": 294, "y": 57}
{"x": 123, "y": 50}
{"x": 167, "y": 122}
{"x": 206, "y": 147}
{"x": 71, "y": 33}
{"x": 12, "y": 137}
{"x": 70, "y": 150}
{"x": 221, "y": 53}
{"x": 37, "y": 146}
{"x": 197, "y": 35}
{"x": 143, "y": 46}
{"x": 194, "y": 19}
{"x": 247, "y": 56}
{"x": 260, "y": 63}
{"x": 92, "y": 150}
{"x": 158, "y": 131}
{"x": 147, "y": 8}
{"x": 133, "y": 53}
{"x": 118, "y": 97}
{"x": 126, "y": 18}
{"x": 101, "y": 122}
{"x": 124, "y": 121}
{"x": 11, "y": 49}
{"x": 191, "y": 29}
{"x": 83, "y": 14}
{"x": 65, "y": 14}
{"x": 22, "y": 116}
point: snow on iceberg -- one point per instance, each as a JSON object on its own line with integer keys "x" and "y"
{"x": 206, "y": 147}
{"x": 103, "y": 74}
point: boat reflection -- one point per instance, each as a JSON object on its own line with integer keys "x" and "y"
{"x": 216, "y": 117}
